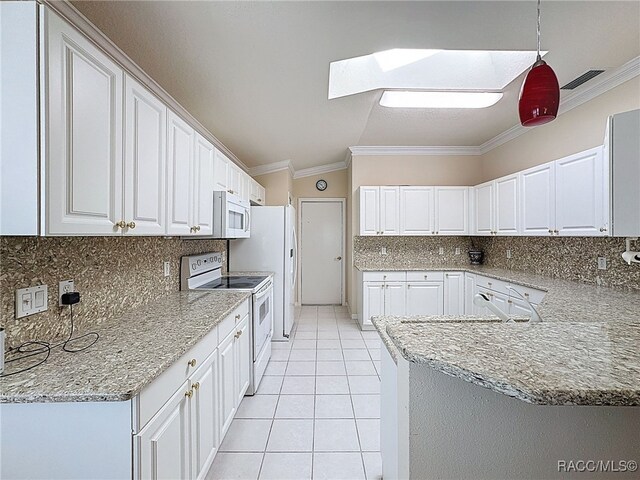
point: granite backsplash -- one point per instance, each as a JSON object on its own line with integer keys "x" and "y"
{"x": 112, "y": 274}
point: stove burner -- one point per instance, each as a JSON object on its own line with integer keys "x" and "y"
{"x": 235, "y": 282}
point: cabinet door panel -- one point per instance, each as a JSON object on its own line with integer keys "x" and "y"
{"x": 424, "y": 298}
{"x": 203, "y": 185}
{"x": 369, "y": 210}
{"x": 469, "y": 293}
{"x": 416, "y": 210}
{"x": 221, "y": 172}
{"x": 390, "y": 210}
{"x": 395, "y": 298}
{"x": 454, "y": 293}
{"x": 451, "y": 210}
{"x": 373, "y": 301}
{"x": 84, "y": 134}
{"x": 227, "y": 383}
{"x": 205, "y": 428}
{"x": 164, "y": 443}
{"x": 507, "y": 215}
{"x": 484, "y": 208}
{"x": 180, "y": 176}
{"x": 243, "y": 359}
{"x": 579, "y": 194}
{"x": 538, "y": 200}
{"x": 145, "y": 160}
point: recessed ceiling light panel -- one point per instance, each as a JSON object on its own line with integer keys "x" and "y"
{"x": 427, "y": 69}
{"x": 408, "y": 99}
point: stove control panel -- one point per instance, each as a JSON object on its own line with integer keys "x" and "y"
{"x": 197, "y": 264}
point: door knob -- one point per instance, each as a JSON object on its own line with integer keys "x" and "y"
{"x": 338, "y": 258}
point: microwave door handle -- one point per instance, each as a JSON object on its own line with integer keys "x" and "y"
{"x": 248, "y": 222}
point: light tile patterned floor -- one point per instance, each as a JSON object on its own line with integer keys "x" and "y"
{"x": 317, "y": 411}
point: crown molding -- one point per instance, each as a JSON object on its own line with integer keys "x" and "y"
{"x": 272, "y": 168}
{"x": 594, "y": 88}
{"x": 418, "y": 150}
{"x": 71, "y": 14}
{"x": 320, "y": 169}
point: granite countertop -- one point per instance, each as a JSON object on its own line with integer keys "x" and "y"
{"x": 131, "y": 351}
{"x": 585, "y": 352}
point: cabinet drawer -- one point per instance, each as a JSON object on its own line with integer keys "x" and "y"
{"x": 425, "y": 276}
{"x": 156, "y": 394}
{"x": 492, "y": 284}
{"x": 229, "y": 323}
{"x": 533, "y": 295}
{"x": 384, "y": 276}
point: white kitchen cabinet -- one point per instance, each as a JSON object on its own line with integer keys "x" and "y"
{"x": 390, "y": 210}
{"x": 369, "y": 210}
{"x": 144, "y": 161}
{"x": 164, "y": 444}
{"x": 451, "y": 210}
{"x": 83, "y": 124}
{"x": 203, "y": 165}
{"x": 469, "y": 293}
{"x": 580, "y": 192}
{"x": 518, "y": 307}
{"x": 507, "y": 217}
{"x": 257, "y": 192}
{"x": 537, "y": 200}
{"x": 373, "y": 301}
{"x": 243, "y": 358}
{"x": 416, "y": 211}
{"x": 245, "y": 184}
{"x": 454, "y": 303}
{"x": 221, "y": 172}
{"x": 228, "y": 403}
{"x": 424, "y": 298}
{"x": 234, "y": 181}
{"x": 181, "y": 139}
{"x": 483, "y": 205}
{"x": 394, "y": 298}
{"x": 205, "y": 423}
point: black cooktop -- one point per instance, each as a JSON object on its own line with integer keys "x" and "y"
{"x": 235, "y": 282}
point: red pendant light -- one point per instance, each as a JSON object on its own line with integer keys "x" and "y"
{"x": 540, "y": 93}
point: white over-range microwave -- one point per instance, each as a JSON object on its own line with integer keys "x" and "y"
{"x": 231, "y": 216}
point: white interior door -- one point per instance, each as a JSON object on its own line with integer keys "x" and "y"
{"x": 321, "y": 244}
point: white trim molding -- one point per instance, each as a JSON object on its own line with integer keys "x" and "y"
{"x": 417, "y": 150}
{"x": 329, "y": 167}
{"x": 272, "y": 168}
{"x": 70, "y": 13}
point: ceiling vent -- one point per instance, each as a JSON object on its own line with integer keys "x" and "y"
{"x": 585, "y": 77}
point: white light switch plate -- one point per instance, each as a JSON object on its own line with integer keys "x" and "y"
{"x": 31, "y": 300}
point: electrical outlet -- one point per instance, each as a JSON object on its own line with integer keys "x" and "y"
{"x": 441, "y": 250}
{"x": 508, "y": 253}
{"x": 602, "y": 263}
{"x": 383, "y": 250}
{"x": 457, "y": 250}
{"x": 167, "y": 268}
{"x": 31, "y": 300}
{"x": 66, "y": 286}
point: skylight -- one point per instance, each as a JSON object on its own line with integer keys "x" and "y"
{"x": 427, "y": 69}
{"x": 413, "y": 99}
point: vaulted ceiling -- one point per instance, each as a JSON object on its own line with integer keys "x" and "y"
{"x": 256, "y": 73}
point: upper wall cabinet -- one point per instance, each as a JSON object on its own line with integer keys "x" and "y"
{"x": 379, "y": 210}
{"x": 257, "y": 194}
{"x": 145, "y": 161}
{"x": 180, "y": 175}
{"x": 451, "y": 213}
{"x": 221, "y": 172}
{"x": 83, "y": 124}
{"x": 537, "y": 200}
{"x": 496, "y": 207}
{"x": 416, "y": 211}
{"x": 203, "y": 165}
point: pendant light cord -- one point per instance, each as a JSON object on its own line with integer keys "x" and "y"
{"x": 538, "y": 32}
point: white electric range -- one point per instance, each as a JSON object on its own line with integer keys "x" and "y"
{"x": 204, "y": 272}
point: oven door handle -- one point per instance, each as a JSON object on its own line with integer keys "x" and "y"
{"x": 265, "y": 291}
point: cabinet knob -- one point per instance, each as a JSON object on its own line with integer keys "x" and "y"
{"x": 603, "y": 229}
{"x": 237, "y": 317}
{"x": 196, "y": 385}
{"x": 409, "y": 285}
{"x": 197, "y": 227}
{"x": 188, "y": 393}
{"x": 131, "y": 225}
{"x": 338, "y": 258}
{"x": 120, "y": 224}
{"x": 551, "y": 231}
{"x": 238, "y": 333}
{"x": 259, "y": 199}
{"x": 192, "y": 362}
{"x": 556, "y": 232}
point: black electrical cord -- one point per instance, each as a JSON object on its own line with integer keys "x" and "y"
{"x": 46, "y": 347}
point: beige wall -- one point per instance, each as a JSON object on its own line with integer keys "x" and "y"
{"x": 277, "y": 187}
{"x": 337, "y": 185}
{"x": 577, "y": 130}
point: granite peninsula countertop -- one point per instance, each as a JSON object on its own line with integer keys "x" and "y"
{"x": 585, "y": 352}
{"x": 131, "y": 351}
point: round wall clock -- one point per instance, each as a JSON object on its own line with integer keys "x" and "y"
{"x": 321, "y": 185}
